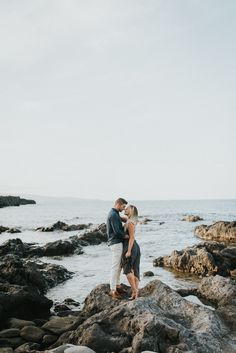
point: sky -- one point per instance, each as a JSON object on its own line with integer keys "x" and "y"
{"x": 118, "y": 98}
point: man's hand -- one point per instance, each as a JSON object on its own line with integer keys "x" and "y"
{"x": 123, "y": 219}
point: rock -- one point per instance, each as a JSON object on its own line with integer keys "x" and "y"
{"x": 13, "y": 230}
{"x": 148, "y": 274}
{"x": 70, "y": 348}
{"x": 10, "y": 332}
{"x": 3, "y": 229}
{"x": 40, "y": 275}
{"x": 160, "y": 320}
{"x": 144, "y": 220}
{"x": 160, "y": 223}
{"x": 219, "y": 231}
{"x": 6, "y": 201}
{"x": 58, "y": 325}
{"x": 17, "y": 323}
{"x": 32, "y": 334}
{"x": 27, "y": 347}
{"x": 72, "y": 302}
{"x": 94, "y": 237}
{"x": 62, "y": 247}
{"x": 201, "y": 259}
{"x": 14, "y": 247}
{"x": 61, "y": 307}
{"x": 6, "y": 350}
{"x": 64, "y": 227}
{"x": 49, "y": 340}
{"x": 12, "y": 341}
{"x": 192, "y": 218}
{"x": 22, "y": 302}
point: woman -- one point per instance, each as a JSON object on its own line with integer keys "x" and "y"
{"x": 130, "y": 261}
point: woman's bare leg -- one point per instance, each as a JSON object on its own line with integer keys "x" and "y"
{"x": 131, "y": 280}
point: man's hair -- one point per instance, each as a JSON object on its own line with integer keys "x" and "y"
{"x": 121, "y": 201}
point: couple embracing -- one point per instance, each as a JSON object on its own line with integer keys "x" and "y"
{"x": 124, "y": 248}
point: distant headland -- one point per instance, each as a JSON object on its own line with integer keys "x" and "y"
{"x": 6, "y": 201}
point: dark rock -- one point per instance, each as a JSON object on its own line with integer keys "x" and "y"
{"x": 61, "y": 307}
{"x": 11, "y": 342}
{"x": 95, "y": 237}
{"x": 201, "y": 259}
{"x": 3, "y": 229}
{"x": 38, "y": 275}
{"x": 48, "y": 340}
{"x": 148, "y": 274}
{"x": 192, "y": 218}
{"x": 144, "y": 220}
{"x": 62, "y": 247}
{"x": 6, "y": 350}
{"x": 13, "y": 230}
{"x": 10, "y": 332}
{"x": 72, "y": 302}
{"x": 6, "y": 201}
{"x": 22, "y": 302}
{"x": 64, "y": 227}
{"x": 219, "y": 231}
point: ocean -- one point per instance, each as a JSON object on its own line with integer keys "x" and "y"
{"x": 93, "y": 267}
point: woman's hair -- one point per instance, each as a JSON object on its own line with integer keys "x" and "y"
{"x": 133, "y": 213}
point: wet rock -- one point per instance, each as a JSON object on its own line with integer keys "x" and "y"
{"x": 219, "y": 231}
{"x": 6, "y": 201}
{"x": 191, "y": 218}
{"x": 69, "y": 301}
{"x": 15, "y": 247}
{"x": 64, "y": 227}
{"x": 95, "y": 237}
{"x": 159, "y": 320}
{"x": 62, "y": 248}
{"x": 32, "y": 334}
{"x": 61, "y": 307}
{"x": 148, "y": 274}
{"x": 201, "y": 259}
{"x": 3, "y": 229}
{"x": 10, "y": 332}
{"x": 58, "y": 325}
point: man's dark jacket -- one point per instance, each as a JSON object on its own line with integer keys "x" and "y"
{"x": 115, "y": 231}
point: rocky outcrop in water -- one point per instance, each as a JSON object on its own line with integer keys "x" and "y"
{"x": 9, "y": 230}
{"x": 64, "y": 227}
{"x": 192, "y": 218}
{"x": 220, "y": 231}
{"x": 66, "y": 247}
{"x": 201, "y": 259}
{"x": 6, "y": 201}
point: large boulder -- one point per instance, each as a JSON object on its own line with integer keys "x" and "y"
{"x": 201, "y": 259}
{"x": 22, "y": 302}
{"x": 159, "y": 320}
{"x": 192, "y": 218}
{"x": 219, "y": 231}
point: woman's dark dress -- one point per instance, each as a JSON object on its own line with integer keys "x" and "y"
{"x": 131, "y": 263}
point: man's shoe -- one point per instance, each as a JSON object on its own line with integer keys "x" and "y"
{"x": 120, "y": 290}
{"x": 115, "y": 295}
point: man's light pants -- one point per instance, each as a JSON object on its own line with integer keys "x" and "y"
{"x": 116, "y": 253}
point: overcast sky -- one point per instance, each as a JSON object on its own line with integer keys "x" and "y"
{"x": 111, "y": 98}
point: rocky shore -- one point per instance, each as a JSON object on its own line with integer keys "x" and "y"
{"x": 6, "y": 201}
{"x": 161, "y": 320}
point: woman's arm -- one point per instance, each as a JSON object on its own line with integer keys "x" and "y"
{"x": 131, "y": 239}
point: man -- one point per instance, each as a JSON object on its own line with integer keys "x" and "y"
{"x": 116, "y": 235}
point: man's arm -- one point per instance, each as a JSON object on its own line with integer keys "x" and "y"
{"x": 117, "y": 227}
